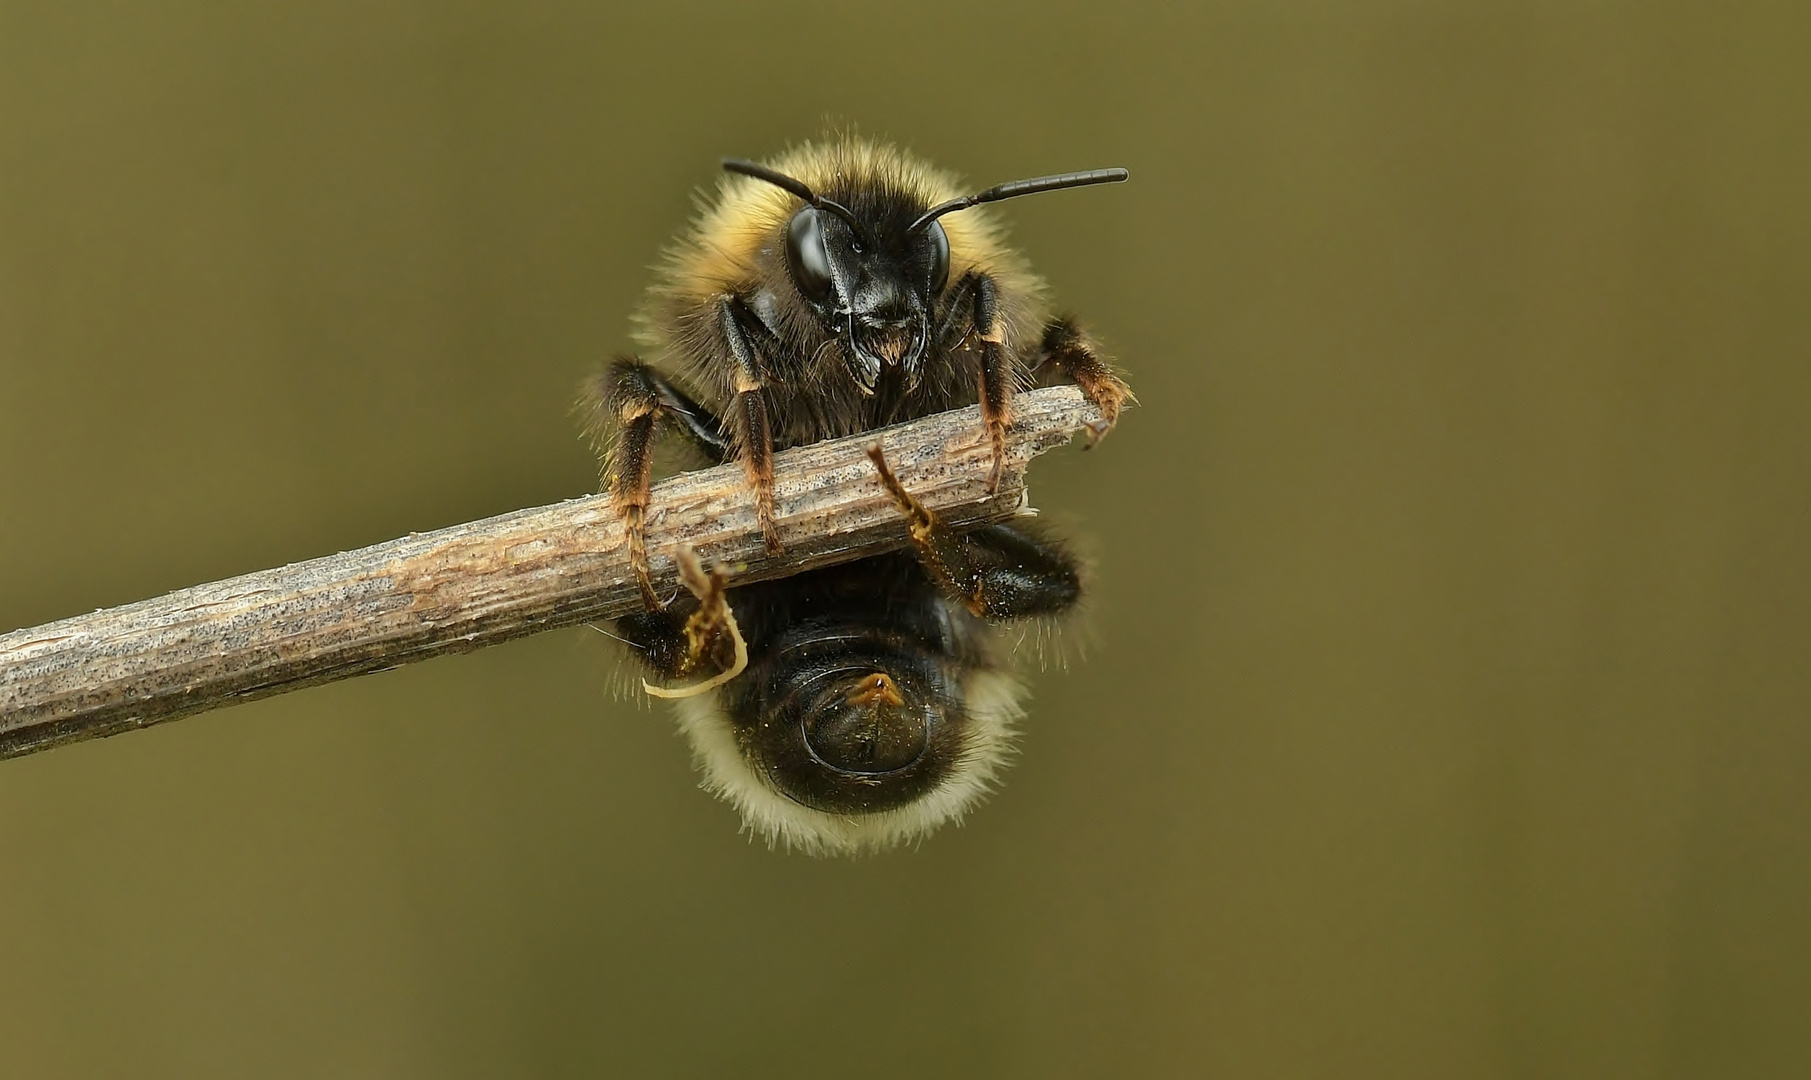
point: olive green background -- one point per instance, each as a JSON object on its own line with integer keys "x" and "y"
{"x": 1444, "y": 707}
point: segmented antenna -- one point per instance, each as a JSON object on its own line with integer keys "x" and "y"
{"x": 797, "y": 187}
{"x": 1012, "y": 189}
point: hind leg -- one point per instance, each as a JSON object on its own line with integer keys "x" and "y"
{"x": 676, "y": 644}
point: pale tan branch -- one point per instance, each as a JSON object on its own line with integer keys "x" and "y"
{"x": 488, "y": 581}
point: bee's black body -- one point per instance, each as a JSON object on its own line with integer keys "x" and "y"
{"x": 819, "y": 298}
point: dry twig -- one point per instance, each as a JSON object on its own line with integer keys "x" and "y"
{"x": 488, "y": 581}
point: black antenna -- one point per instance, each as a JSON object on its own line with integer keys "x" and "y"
{"x": 797, "y": 187}
{"x": 1014, "y": 188}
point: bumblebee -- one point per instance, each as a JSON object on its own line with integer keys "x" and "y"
{"x": 837, "y": 289}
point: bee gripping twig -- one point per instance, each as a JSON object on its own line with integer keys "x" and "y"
{"x": 485, "y": 582}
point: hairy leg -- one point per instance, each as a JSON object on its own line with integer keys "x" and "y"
{"x": 625, "y": 404}
{"x": 997, "y": 571}
{"x": 974, "y": 309}
{"x": 1070, "y": 354}
{"x": 675, "y": 642}
{"x": 745, "y": 336}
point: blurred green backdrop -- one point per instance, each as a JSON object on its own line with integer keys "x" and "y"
{"x": 1448, "y": 712}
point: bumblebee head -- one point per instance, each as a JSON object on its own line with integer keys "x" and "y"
{"x": 873, "y": 277}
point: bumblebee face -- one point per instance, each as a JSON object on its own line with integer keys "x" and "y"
{"x": 874, "y": 286}
{"x": 871, "y": 268}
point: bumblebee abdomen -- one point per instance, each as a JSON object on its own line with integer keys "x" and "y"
{"x": 849, "y": 720}
{"x": 872, "y": 709}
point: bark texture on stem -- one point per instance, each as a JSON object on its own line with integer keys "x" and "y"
{"x": 461, "y": 588}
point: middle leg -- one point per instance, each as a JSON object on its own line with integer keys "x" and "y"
{"x": 624, "y": 405}
{"x": 1070, "y": 353}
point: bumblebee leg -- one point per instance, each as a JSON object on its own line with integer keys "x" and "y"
{"x": 676, "y": 642}
{"x": 996, "y": 571}
{"x": 974, "y": 309}
{"x": 749, "y": 414}
{"x": 625, "y": 403}
{"x": 1069, "y": 352}
{"x": 996, "y": 375}
{"x": 954, "y": 325}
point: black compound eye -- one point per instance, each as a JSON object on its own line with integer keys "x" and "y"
{"x": 806, "y": 255}
{"x": 940, "y": 256}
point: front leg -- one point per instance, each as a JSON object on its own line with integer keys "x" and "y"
{"x": 744, "y": 334}
{"x": 1072, "y": 355}
{"x": 975, "y": 309}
